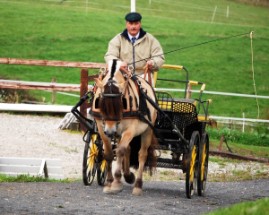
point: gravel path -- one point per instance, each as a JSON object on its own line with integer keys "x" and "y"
{"x": 33, "y": 136}
{"x": 159, "y": 198}
{"x": 39, "y": 136}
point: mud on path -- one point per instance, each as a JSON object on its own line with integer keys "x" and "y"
{"x": 158, "y": 198}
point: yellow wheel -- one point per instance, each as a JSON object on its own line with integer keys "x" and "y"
{"x": 192, "y": 161}
{"x": 102, "y": 173}
{"x": 89, "y": 159}
{"x": 203, "y": 165}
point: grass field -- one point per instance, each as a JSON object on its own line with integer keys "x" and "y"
{"x": 80, "y": 31}
{"x": 257, "y": 207}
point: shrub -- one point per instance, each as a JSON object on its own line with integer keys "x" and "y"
{"x": 249, "y": 138}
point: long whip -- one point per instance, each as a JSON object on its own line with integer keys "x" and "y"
{"x": 194, "y": 45}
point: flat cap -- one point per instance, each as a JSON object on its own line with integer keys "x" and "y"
{"x": 133, "y": 17}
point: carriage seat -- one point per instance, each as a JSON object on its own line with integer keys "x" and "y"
{"x": 178, "y": 105}
{"x": 182, "y": 113}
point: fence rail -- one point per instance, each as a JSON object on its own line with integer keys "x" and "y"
{"x": 84, "y": 66}
{"x": 84, "y": 87}
{"x": 217, "y": 93}
{"x": 27, "y": 85}
{"x": 53, "y": 63}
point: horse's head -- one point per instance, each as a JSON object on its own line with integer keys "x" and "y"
{"x": 113, "y": 87}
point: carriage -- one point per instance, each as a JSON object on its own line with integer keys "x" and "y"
{"x": 180, "y": 129}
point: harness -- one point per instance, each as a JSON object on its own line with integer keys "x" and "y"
{"x": 141, "y": 110}
{"x": 136, "y": 109}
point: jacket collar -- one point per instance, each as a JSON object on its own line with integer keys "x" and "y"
{"x": 141, "y": 34}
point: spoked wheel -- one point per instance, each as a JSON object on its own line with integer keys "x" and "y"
{"x": 192, "y": 168}
{"x": 102, "y": 173}
{"x": 89, "y": 159}
{"x": 203, "y": 165}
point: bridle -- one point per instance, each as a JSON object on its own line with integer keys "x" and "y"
{"x": 111, "y": 83}
{"x": 113, "y": 92}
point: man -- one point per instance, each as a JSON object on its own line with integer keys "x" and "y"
{"x": 136, "y": 47}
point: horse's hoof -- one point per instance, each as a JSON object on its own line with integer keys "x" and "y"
{"x": 116, "y": 187}
{"x": 130, "y": 179}
{"x": 137, "y": 191}
{"x": 107, "y": 189}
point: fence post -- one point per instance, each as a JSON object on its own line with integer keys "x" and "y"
{"x": 53, "y": 94}
{"x": 188, "y": 93}
{"x": 83, "y": 91}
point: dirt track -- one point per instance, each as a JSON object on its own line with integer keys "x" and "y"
{"x": 36, "y": 136}
{"x": 158, "y": 198}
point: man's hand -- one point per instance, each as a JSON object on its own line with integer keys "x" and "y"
{"x": 124, "y": 65}
{"x": 150, "y": 64}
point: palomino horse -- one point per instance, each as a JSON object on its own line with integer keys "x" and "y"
{"x": 122, "y": 113}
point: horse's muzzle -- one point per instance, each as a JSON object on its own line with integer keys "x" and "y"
{"x": 110, "y": 129}
{"x": 110, "y": 134}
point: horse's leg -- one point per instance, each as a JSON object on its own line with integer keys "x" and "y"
{"x": 146, "y": 139}
{"x": 128, "y": 175}
{"x": 122, "y": 150}
{"x": 108, "y": 156}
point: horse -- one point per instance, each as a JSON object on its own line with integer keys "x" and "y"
{"x": 122, "y": 111}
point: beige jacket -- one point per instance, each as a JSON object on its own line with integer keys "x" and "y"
{"x": 146, "y": 47}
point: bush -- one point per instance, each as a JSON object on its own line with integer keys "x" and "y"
{"x": 15, "y": 96}
{"x": 251, "y": 138}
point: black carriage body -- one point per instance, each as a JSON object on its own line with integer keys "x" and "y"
{"x": 181, "y": 113}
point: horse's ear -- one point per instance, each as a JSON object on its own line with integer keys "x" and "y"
{"x": 98, "y": 83}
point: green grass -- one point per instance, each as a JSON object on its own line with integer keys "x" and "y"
{"x": 260, "y": 139}
{"x": 250, "y": 149}
{"x": 71, "y": 31}
{"x": 28, "y": 178}
{"x": 257, "y": 207}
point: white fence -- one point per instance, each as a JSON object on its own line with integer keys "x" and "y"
{"x": 216, "y": 93}
{"x": 224, "y": 119}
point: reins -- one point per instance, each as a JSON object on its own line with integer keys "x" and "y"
{"x": 191, "y": 46}
{"x": 156, "y": 106}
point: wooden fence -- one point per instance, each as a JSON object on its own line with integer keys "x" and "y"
{"x": 27, "y": 85}
{"x": 84, "y": 76}
{"x": 84, "y": 80}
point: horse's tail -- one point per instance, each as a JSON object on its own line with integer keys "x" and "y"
{"x": 152, "y": 155}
